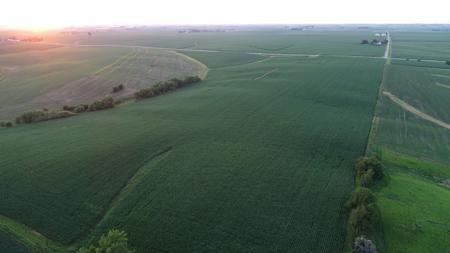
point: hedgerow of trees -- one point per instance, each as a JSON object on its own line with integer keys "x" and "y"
{"x": 115, "y": 241}
{"x": 6, "y": 124}
{"x": 102, "y": 104}
{"x": 42, "y": 115}
{"x": 164, "y": 87}
{"x": 361, "y": 207}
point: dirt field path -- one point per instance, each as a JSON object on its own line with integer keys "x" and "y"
{"x": 443, "y": 85}
{"x": 265, "y": 74}
{"x": 414, "y": 111}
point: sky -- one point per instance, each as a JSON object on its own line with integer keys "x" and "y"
{"x": 43, "y": 14}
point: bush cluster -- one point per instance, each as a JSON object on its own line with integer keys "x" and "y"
{"x": 164, "y": 87}
{"x": 362, "y": 212}
{"x": 115, "y": 241}
{"x": 101, "y": 104}
{"x": 76, "y": 108}
{"x": 6, "y": 124}
{"x": 118, "y": 88}
{"x": 42, "y": 115}
{"x": 368, "y": 170}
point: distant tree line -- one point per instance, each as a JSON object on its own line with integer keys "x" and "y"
{"x": 66, "y": 111}
{"x": 42, "y": 115}
{"x": 101, "y": 104}
{"x": 164, "y": 87}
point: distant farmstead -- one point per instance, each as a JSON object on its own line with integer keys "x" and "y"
{"x": 379, "y": 40}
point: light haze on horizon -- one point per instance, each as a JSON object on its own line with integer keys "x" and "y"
{"x": 54, "y": 14}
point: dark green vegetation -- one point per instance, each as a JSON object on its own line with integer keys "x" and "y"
{"x": 167, "y": 86}
{"x": 362, "y": 213}
{"x": 257, "y": 158}
{"x": 115, "y": 241}
{"x": 368, "y": 170}
{"x": 41, "y": 115}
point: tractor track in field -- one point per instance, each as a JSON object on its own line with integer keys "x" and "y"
{"x": 266, "y": 74}
{"x": 442, "y": 85}
{"x": 413, "y": 110}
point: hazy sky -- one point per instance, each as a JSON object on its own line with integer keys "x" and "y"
{"x": 59, "y": 13}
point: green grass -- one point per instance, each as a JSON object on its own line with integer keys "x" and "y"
{"x": 415, "y": 215}
{"x": 9, "y": 245}
{"x": 233, "y": 164}
{"x": 15, "y": 238}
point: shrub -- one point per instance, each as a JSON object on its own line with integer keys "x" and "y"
{"x": 363, "y": 245}
{"x": 118, "y": 88}
{"x": 144, "y": 93}
{"x": 361, "y": 196}
{"x": 164, "y": 87}
{"x": 364, "y": 42}
{"x": 115, "y": 241}
{"x": 80, "y": 108}
{"x": 361, "y": 220}
{"x": 102, "y": 104}
{"x": 368, "y": 170}
{"x": 6, "y": 124}
{"x": 42, "y": 115}
{"x": 68, "y": 108}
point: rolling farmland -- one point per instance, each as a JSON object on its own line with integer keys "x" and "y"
{"x": 230, "y": 164}
{"x": 258, "y": 157}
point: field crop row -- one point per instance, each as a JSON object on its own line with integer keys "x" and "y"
{"x": 248, "y": 165}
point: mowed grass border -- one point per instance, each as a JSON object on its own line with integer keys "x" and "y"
{"x": 30, "y": 238}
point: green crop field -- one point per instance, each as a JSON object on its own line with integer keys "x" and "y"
{"x": 72, "y": 75}
{"x": 256, "y": 158}
{"x": 413, "y": 138}
{"x": 421, "y": 45}
{"x": 266, "y": 40}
